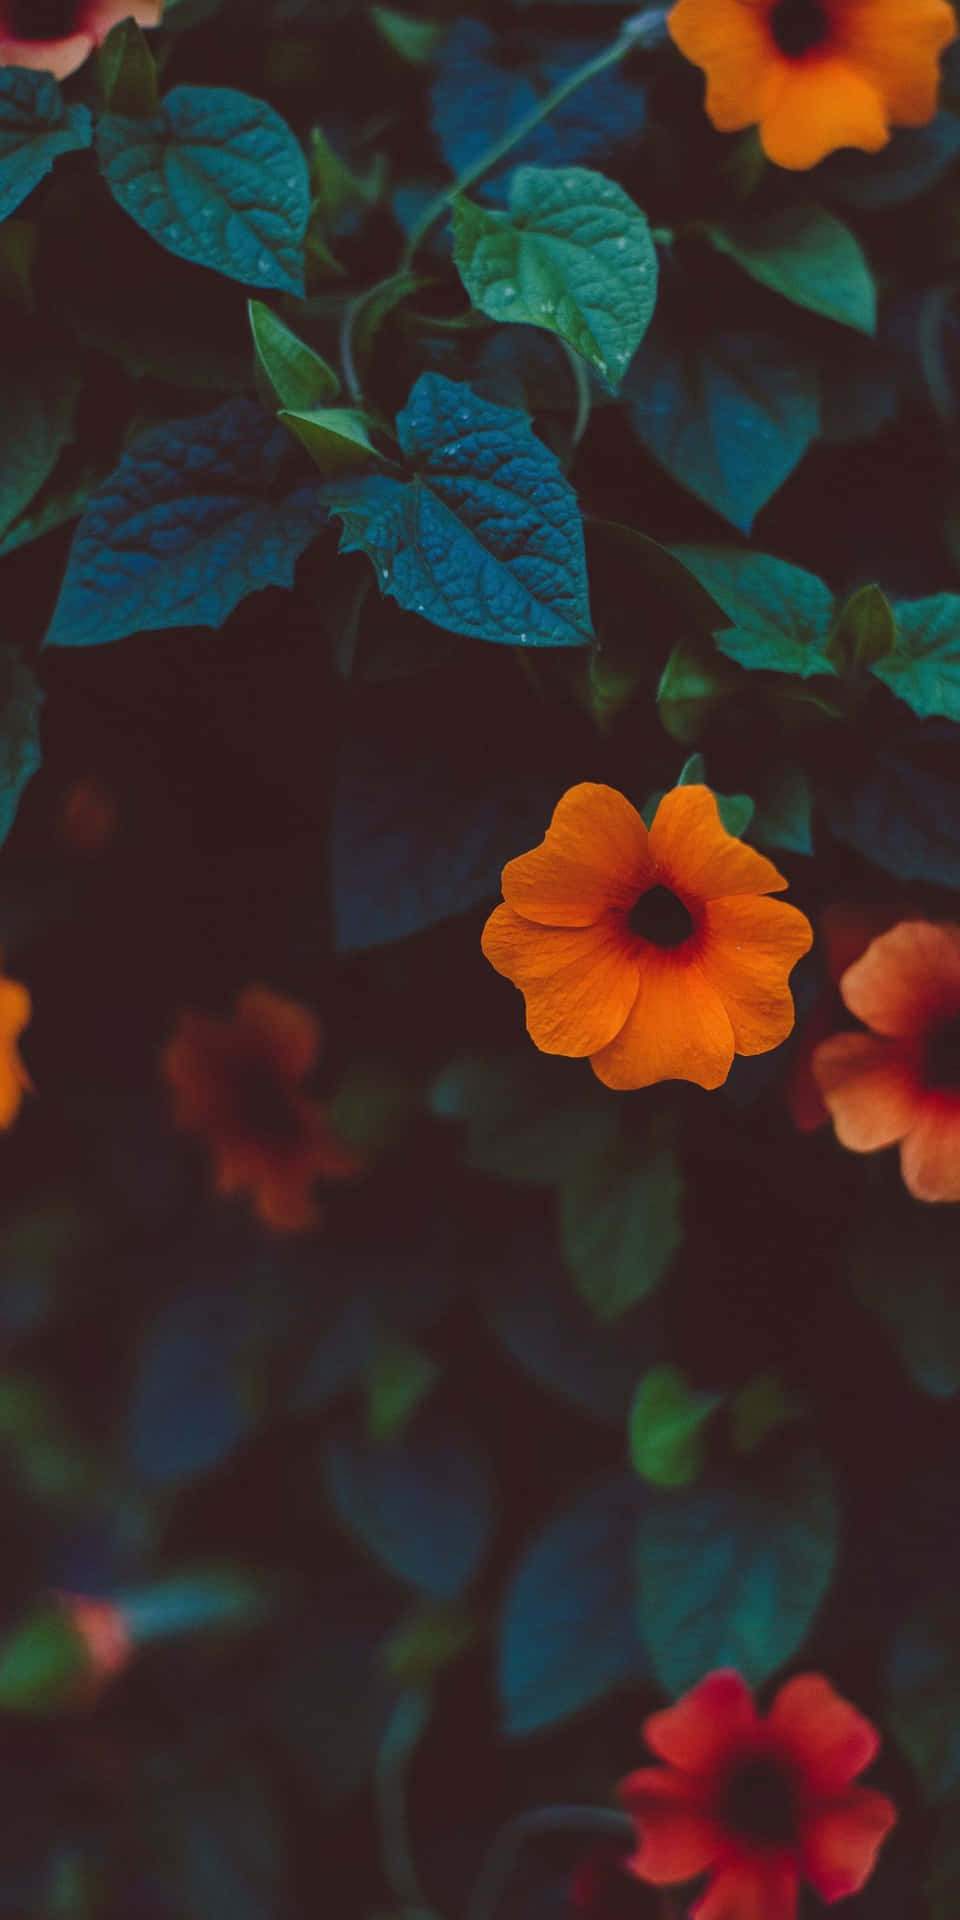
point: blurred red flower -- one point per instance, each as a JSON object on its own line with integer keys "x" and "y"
{"x": 758, "y": 1804}
{"x": 845, "y": 932}
{"x": 108, "y": 1644}
{"x": 237, "y": 1082}
{"x": 56, "y": 36}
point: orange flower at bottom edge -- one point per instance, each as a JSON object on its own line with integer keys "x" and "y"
{"x": 815, "y": 75}
{"x": 56, "y": 36}
{"x": 237, "y": 1083}
{"x": 15, "y": 1011}
{"x": 758, "y": 1804}
{"x": 657, "y": 954}
{"x": 900, "y": 1083}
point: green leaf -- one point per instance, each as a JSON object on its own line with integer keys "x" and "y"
{"x": 336, "y": 189}
{"x": 904, "y": 1263}
{"x": 414, "y": 40}
{"x": 692, "y": 685}
{"x": 924, "y": 667}
{"x": 424, "y": 1504}
{"x": 20, "y": 755}
{"x": 53, "y": 508}
{"x": 36, "y": 126}
{"x": 201, "y": 1601}
{"x": 216, "y": 177}
{"x": 864, "y": 631}
{"x": 296, "y": 375}
{"x": 620, "y": 1227}
{"x": 735, "y": 809}
{"x": 399, "y": 1379}
{"x": 42, "y": 1663}
{"x": 528, "y": 1118}
{"x": 779, "y": 615}
{"x": 784, "y": 810}
{"x": 38, "y": 397}
{"x": 433, "y": 1638}
{"x": 760, "y": 1409}
{"x": 374, "y": 308}
{"x": 568, "y": 1634}
{"x": 666, "y": 1425}
{"x": 486, "y": 539}
{"x": 731, "y": 1574}
{"x": 923, "y": 1692}
{"x": 728, "y": 414}
{"x": 810, "y": 257}
{"x": 336, "y": 438}
{"x": 128, "y": 71}
{"x": 574, "y": 256}
{"x": 194, "y": 517}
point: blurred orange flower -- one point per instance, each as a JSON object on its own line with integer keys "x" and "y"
{"x": 237, "y": 1082}
{"x": 900, "y": 1083}
{"x": 15, "y": 1011}
{"x": 102, "y": 1628}
{"x": 56, "y": 36}
{"x": 657, "y": 954}
{"x": 814, "y": 75}
{"x": 845, "y": 931}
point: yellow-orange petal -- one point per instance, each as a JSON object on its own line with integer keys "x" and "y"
{"x": 930, "y": 1155}
{"x": 593, "y": 857}
{"x": 746, "y": 950}
{"x": 896, "y": 44}
{"x": 288, "y": 1034}
{"x": 730, "y": 41}
{"x": 58, "y": 57}
{"x": 869, "y": 1088}
{"x": 908, "y": 980}
{"x": 579, "y": 982}
{"x": 819, "y": 107}
{"x": 678, "y": 1029}
{"x": 696, "y": 856}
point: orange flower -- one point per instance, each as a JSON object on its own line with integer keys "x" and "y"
{"x": 655, "y": 953}
{"x": 758, "y": 1804}
{"x": 816, "y": 74}
{"x": 102, "y": 1628}
{"x": 15, "y": 1011}
{"x": 846, "y": 933}
{"x": 901, "y": 1081}
{"x": 237, "y": 1082}
{"x": 56, "y": 36}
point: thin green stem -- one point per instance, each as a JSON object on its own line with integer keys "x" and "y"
{"x": 396, "y": 1750}
{"x": 584, "y": 397}
{"x": 499, "y": 1863}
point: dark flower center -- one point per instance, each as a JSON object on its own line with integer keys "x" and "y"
{"x": 943, "y": 1056}
{"x": 758, "y": 1804}
{"x": 42, "y": 19}
{"x": 798, "y": 25}
{"x": 658, "y": 916}
{"x": 263, "y": 1108}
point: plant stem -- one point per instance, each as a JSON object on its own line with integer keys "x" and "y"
{"x": 396, "y": 1749}
{"x": 496, "y": 1868}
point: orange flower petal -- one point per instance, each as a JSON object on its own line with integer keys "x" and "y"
{"x": 824, "y": 1734}
{"x": 731, "y": 43}
{"x": 677, "y": 1839}
{"x": 59, "y": 57}
{"x": 751, "y": 1891}
{"x": 677, "y": 1029}
{"x": 840, "y": 1845}
{"x": 746, "y": 950}
{"x": 15, "y": 1007}
{"x": 593, "y": 857}
{"x": 694, "y": 854}
{"x": 287, "y": 1035}
{"x": 896, "y": 44}
{"x": 818, "y": 107}
{"x": 930, "y": 1155}
{"x": 847, "y": 930}
{"x": 869, "y": 1089}
{"x": 579, "y": 982}
{"x": 908, "y": 980}
{"x": 698, "y": 1733}
{"x": 109, "y": 13}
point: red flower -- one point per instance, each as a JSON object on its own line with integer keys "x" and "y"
{"x": 56, "y": 36}
{"x": 237, "y": 1082}
{"x": 101, "y": 1627}
{"x": 758, "y": 1804}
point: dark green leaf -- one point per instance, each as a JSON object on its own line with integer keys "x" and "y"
{"x": 216, "y": 177}
{"x": 414, "y": 40}
{"x": 810, "y": 257}
{"x": 666, "y": 1426}
{"x": 731, "y": 1575}
{"x": 527, "y": 1118}
{"x": 923, "y": 1689}
{"x": 692, "y": 684}
{"x": 486, "y": 539}
{"x": 128, "y": 71}
{"x": 784, "y": 810}
{"x": 924, "y": 667}
{"x": 620, "y": 1227}
{"x": 42, "y": 1663}
{"x": 905, "y": 1260}
{"x": 297, "y": 376}
{"x": 336, "y": 438}
{"x": 423, "y": 1504}
{"x": 36, "y": 125}
{"x": 20, "y": 755}
{"x": 779, "y": 615}
{"x": 189, "y": 1410}
{"x": 574, "y": 256}
{"x": 38, "y": 397}
{"x": 904, "y": 818}
{"x": 400, "y": 1376}
{"x": 864, "y": 631}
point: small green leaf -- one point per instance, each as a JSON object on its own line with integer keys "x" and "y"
{"x": 666, "y": 1427}
{"x": 760, "y": 1409}
{"x": 620, "y": 1227}
{"x": 337, "y": 438}
{"x": 692, "y": 684}
{"x": 296, "y": 375}
{"x": 735, "y": 809}
{"x": 924, "y": 668}
{"x": 779, "y": 614}
{"x": 38, "y": 398}
{"x": 864, "y": 631}
{"x": 336, "y": 189}
{"x": 784, "y": 810}
{"x": 810, "y": 257}
{"x": 431, "y": 1639}
{"x": 42, "y": 1663}
{"x": 128, "y": 71}
{"x": 207, "y": 1600}
{"x": 400, "y": 1377}
{"x": 414, "y": 40}
{"x": 529, "y": 1118}
{"x": 574, "y": 256}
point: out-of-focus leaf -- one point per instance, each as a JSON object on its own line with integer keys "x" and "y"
{"x": 527, "y": 1117}
{"x": 189, "y": 1410}
{"x": 400, "y": 1377}
{"x": 38, "y": 397}
{"x": 424, "y": 1504}
{"x": 666, "y": 1426}
{"x": 42, "y": 1663}
{"x": 620, "y": 1227}
{"x": 779, "y": 614}
{"x": 20, "y": 755}
{"x": 810, "y": 257}
{"x": 898, "y": 814}
{"x": 904, "y": 1265}
{"x": 923, "y": 1692}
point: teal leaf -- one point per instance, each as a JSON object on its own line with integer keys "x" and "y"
{"x": 899, "y": 1237}
{"x": 574, "y": 256}
{"x": 38, "y": 397}
{"x": 779, "y": 614}
{"x": 36, "y": 125}
{"x": 784, "y": 810}
{"x": 216, "y": 177}
{"x": 924, "y": 669}
{"x": 568, "y": 1634}
{"x": 620, "y": 1227}
{"x": 732, "y": 1574}
{"x": 899, "y": 815}
{"x": 923, "y": 1695}
{"x": 486, "y": 539}
{"x": 729, "y": 414}
{"x": 665, "y": 1428}
{"x": 188, "y": 1410}
{"x": 549, "y": 1332}
{"x": 527, "y": 1118}
{"x": 295, "y": 374}
{"x": 20, "y": 755}
{"x": 423, "y": 1504}
{"x": 192, "y": 520}
{"x": 810, "y": 257}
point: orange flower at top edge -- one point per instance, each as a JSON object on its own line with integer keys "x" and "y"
{"x": 758, "y": 1804}
{"x": 57, "y": 36}
{"x": 237, "y": 1082}
{"x": 814, "y": 75}
{"x": 901, "y": 1081}
{"x": 657, "y": 954}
